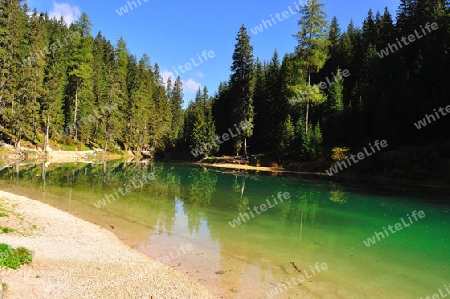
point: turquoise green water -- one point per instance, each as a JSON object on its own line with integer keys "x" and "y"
{"x": 182, "y": 218}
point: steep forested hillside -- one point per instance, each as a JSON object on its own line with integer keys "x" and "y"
{"x": 58, "y": 81}
{"x": 335, "y": 93}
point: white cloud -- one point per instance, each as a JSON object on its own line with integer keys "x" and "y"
{"x": 69, "y": 13}
{"x": 189, "y": 85}
{"x": 200, "y": 74}
{"x": 166, "y": 74}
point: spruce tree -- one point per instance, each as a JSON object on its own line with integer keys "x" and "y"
{"x": 162, "y": 117}
{"x": 241, "y": 81}
{"x": 55, "y": 83}
{"x": 15, "y": 113}
{"x": 200, "y": 126}
{"x": 312, "y": 50}
{"x": 261, "y": 99}
{"x": 80, "y": 75}
{"x": 33, "y": 74}
{"x": 176, "y": 102}
{"x": 52, "y": 114}
{"x": 120, "y": 92}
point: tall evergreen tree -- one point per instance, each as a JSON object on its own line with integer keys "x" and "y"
{"x": 80, "y": 76}
{"x": 223, "y": 113}
{"x": 121, "y": 92}
{"x": 161, "y": 120}
{"x": 33, "y": 75}
{"x": 200, "y": 125}
{"x": 261, "y": 99}
{"x": 15, "y": 113}
{"x": 312, "y": 50}
{"x": 176, "y": 102}
{"x": 241, "y": 81}
{"x": 55, "y": 82}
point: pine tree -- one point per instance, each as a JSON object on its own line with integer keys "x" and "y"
{"x": 108, "y": 125}
{"x": 242, "y": 84}
{"x": 163, "y": 117}
{"x": 33, "y": 75}
{"x": 55, "y": 82}
{"x": 176, "y": 102}
{"x": 210, "y": 127}
{"x": 334, "y": 38}
{"x": 261, "y": 99}
{"x": 80, "y": 75}
{"x": 223, "y": 113}
{"x": 312, "y": 51}
{"x": 277, "y": 106}
{"x": 120, "y": 92}
{"x": 140, "y": 106}
{"x": 287, "y": 130}
{"x": 370, "y": 33}
{"x": 15, "y": 114}
{"x": 312, "y": 143}
{"x": 199, "y": 126}
{"x": 405, "y": 13}
{"x": 335, "y": 109}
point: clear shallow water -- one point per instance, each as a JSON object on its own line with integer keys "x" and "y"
{"x": 325, "y": 222}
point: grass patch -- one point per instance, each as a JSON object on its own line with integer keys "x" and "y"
{"x": 3, "y": 214}
{"x": 6, "y": 230}
{"x": 13, "y": 258}
{"x": 4, "y": 286}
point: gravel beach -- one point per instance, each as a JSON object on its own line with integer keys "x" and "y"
{"x": 73, "y": 258}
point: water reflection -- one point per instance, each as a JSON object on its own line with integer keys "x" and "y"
{"x": 337, "y": 195}
{"x": 194, "y": 205}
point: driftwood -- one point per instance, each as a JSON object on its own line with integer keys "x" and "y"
{"x": 295, "y": 267}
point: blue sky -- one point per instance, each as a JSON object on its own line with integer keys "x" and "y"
{"x": 172, "y": 32}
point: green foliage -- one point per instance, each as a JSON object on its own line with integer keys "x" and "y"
{"x": 312, "y": 51}
{"x": 6, "y": 230}
{"x": 312, "y": 143}
{"x": 312, "y": 36}
{"x": 287, "y": 136}
{"x": 199, "y": 126}
{"x": 15, "y": 112}
{"x": 176, "y": 102}
{"x": 336, "y": 93}
{"x": 13, "y": 258}
{"x": 80, "y": 70}
{"x": 339, "y": 154}
{"x": 305, "y": 93}
{"x": 43, "y": 93}
{"x": 63, "y": 93}
{"x": 241, "y": 82}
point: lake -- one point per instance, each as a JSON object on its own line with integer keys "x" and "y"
{"x": 254, "y": 235}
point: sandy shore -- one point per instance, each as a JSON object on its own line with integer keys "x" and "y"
{"x": 256, "y": 168}
{"x": 73, "y": 258}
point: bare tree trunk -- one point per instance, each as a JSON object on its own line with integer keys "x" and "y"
{"x": 34, "y": 130}
{"x": 245, "y": 147}
{"x": 34, "y": 126}
{"x": 106, "y": 139}
{"x": 75, "y": 113}
{"x": 44, "y": 171}
{"x": 243, "y": 188}
{"x": 307, "y": 104}
{"x": 46, "y": 134}
{"x": 19, "y": 138}
{"x": 106, "y": 144}
{"x": 307, "y": 116}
